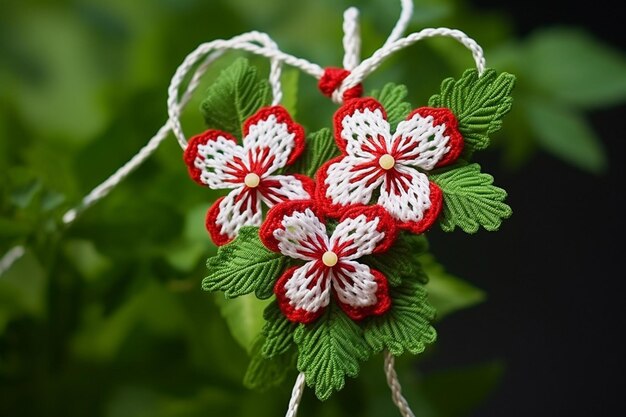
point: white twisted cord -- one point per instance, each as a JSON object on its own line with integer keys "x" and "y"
{"x": 394, "y": 385}
{"x": 351, "y": 39}
{"x": 296, "y": 396}
{"x": 402, "y": 23}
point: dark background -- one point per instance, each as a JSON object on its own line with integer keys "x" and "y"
{"x": 554, "y": 279}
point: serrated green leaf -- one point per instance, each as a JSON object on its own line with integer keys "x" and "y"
{"x": 470, "y": 200}
{"x": 263, "y": 372}
{"x": 575, "y": 68}
{"x": 478, "y": 102}
{"x": 320, "y": 147}
{"x": 401, "y": 260}
{"x": 392, "y": 97}
{"x": 446, "y": 292}
{"x": 406, "y": 326}
{"x": 244, "y": 317}
{"x": 329, "y": 350}
{"x": 235, "y": 96}
{"x": 566, "y": 134}
{"x": 243, "y": 266}
{"x": 277, "y": 332}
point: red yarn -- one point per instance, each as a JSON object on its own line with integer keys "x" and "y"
{"x": 296, "y": 315}
{"x": 212, "y": 227}
{"x": 331, "y": 80}
{"x": 386, "y": 223}
{"x": 349, "y": 109}
{"x": 430, "y": 215}
{"x": 273, "y": 220}
{"x": 383, "y": 301}
{"x": 191, "y": 151}
{"x": 442, "y": 115}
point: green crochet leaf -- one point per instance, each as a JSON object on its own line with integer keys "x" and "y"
{"x": 329, "y": 350}
{"x": 244, "y": 317}
{"x": 320, "y": 147}
{"x": 392, "y": 97}
{"x": 470, "y": 200}
{"x": 278, "y": 332}
{"x": 479, "y": 103}
{"x": 243, "y": 266}
{"x": 406, "y": 326}
{"x": 236, "y": 95}
{"x": 401, "y": 260}
{"x": 264, "y": 373}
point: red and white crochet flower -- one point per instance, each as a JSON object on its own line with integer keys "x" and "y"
{"x": 271, "y": 140}
{"x": 390, "y": 167}
{"x": 297, "y": 229}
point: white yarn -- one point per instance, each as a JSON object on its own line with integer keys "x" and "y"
{"x": 296, "y": 396}
{"x": 351, "y": 38}
{"x": 396, "y": 388}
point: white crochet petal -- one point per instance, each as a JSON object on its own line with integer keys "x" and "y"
{"x": 302, "y": 236}
{"x": 268, "y": 145}
{"x": 367, "y": 133}
{"x": 354, "y": 284}
{"x": 356, "y": 237}
{"x": 309, "y": 287}
{"x": 352, "y": 180}
{"x": 221, "y": 162}
{"x": 405, "y": 195}
{"x": 279, "y": 188}
{"x": 239, "y": 208}
{"x": 419, "y": 142}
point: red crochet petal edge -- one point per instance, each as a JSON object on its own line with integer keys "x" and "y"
{"x": 386, "y": 223}
{"x": 191, "y": 151}
{"x": 326, "y": 203}
{"x": 282, "y": 116}
{"x": 442, "y": 115}
{"x": 274, "y": 218}
{"x": 212, "y": 227}
{"x": 293, "y": 314}
{"x": 430, "y": 215}
{"x": 348, "y": 109}
{"x": 383, "y": 301}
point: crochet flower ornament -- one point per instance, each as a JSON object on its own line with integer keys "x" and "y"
{"x": 297, "y": 230}
{"x": 271, "y": 141}
{"x": 394, "y": 166}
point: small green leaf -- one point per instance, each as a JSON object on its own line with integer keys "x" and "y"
{"x": 401, "y": 260}
{"x": 235, "y": 96}
{"x": 329, "y": 350}
{"x": 320, "y": 147}
{"x": 470, "y": 200}
{"x": 277, "y": 331}
{"x": 263, "y": 372}
{"x": 478, "y": 102}
{"x": 244, "y": 317}
{"x": 243, "y": 266}
{"x": 446, "y": 292}
{"x": 566, "y": 134}
{"x": 576, "y": 68}
{"x": 392, "y": 97}
{"x": 406, "y": 326}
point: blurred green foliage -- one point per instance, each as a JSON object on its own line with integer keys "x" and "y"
{"x": 106, "y": 318}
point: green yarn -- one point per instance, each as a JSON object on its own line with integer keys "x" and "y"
{"x": 235, "y": 95}
{"x": 243, "y": 266}
{"x": 479, "y": 103}
{"x": 320, "y": 147}
{"x": 401, "y": 259}
{"x": 470, "y": 200}
{"x": 264, "y": 373}
{"x": 329, "y": 350}
{"x": 406, "y": 326}
{"x": 392, "y": 97}
{"x": 278, "y": 332}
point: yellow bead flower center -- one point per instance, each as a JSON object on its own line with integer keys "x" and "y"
{"x": 252, "y": 180}
{"x": 330, "y": 258}
{"x": 386, "y": 162}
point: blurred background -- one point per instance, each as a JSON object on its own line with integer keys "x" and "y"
{"x": 106, "y": 317}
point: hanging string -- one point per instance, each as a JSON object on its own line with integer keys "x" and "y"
{"x": 394, "y": 385}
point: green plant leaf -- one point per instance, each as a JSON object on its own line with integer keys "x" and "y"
{"x": 244, "y": 317}
{"x": 470, "y": 200}
{"x": 263, "y": 372}
{"x": 401, "y": 260}
{"x": 235, "y": 96}
{"x": 320, "y": 147}
{"x": 277, "y": 332}
{"x": 446, "y": 292}
{"x": 392, "y": 97}
{"x": 329, "y": 350}
{"x": 243, "y": 266}
{"x": 566, "y": 134}
{"x": 406, "y": 326}
{"x": 478, "y": 102}
{"x": 575, "y": 68}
